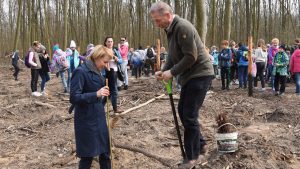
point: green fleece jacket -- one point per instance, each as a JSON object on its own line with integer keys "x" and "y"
{"x": 188, "y": 58}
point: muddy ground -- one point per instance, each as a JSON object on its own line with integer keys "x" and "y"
{"x": 40, "y": 136}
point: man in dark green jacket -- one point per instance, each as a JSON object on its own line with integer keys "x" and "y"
{"x": 189, "y": 60}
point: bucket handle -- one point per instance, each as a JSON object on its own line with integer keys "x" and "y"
{"x": 227, "y": 124}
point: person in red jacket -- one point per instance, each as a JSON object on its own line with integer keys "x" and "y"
{"x": 295, "y": 68}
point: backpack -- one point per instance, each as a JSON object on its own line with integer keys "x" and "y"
{"x": 62, "y": 60}
{"x": 26, "y": 60}
{"x": 150, "y": 53}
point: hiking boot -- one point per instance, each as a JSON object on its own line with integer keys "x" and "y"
{"x": 118, "y": 111}
{"x": 119, "y": 88}
{"x": 66, "y": 90}
{"x": 281, "y": 94}
{"x": 125, "y": 87}
{"x": 204, "y": 150}
{"x": 191, "y": 163}
{"x": 276, "y": 93}
{"x": 227, "y": 88}
{"x": 223, "y": 88}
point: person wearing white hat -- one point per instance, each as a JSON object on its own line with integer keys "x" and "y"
{"x": 73, "y": 59}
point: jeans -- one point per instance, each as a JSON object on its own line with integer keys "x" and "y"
{"x": 45, "y": 78}
{"x": 63, "y": 79}
{"x": 149, "y": 63}
{"x": 17, "y": 70}
{"x": 191, "y": 99}
{"x": 260, "y": 73}
{"x": 225, "y": 74}
{"x": 233, "y": 72}
{"x": 297, "y": 80}
{"x": 282, "y": 80}
{"x": 113, "y": 87}
{"x": 270, "y": 75}
{"x": 243, "y": 76}
{"x": 124, "y": 69}
{"x": 137, "y": 71}
{"x": 69, "y": 78}
{"x": 34, "y": 79}
{"x": 104, "y": 162}
{"x": 216, "y": 71}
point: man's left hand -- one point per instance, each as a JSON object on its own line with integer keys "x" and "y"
{"x": 167, "y": 75}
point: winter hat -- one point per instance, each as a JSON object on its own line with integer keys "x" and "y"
{"x": 72, "y": 44}
{"x": 89, "y": 47}
{"x": 55, "y": 48}
{"x": 282, "y": 47}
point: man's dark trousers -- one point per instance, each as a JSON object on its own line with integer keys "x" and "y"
{"x": 191, "y": 99}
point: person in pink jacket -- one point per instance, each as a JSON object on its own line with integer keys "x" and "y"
{"x": 295, "y": 68}
{"x": 123, "y": 48}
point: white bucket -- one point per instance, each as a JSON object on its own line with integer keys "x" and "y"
{"x": 227, "y": 142}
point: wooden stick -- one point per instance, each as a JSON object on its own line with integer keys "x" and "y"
{"x": 158, "y": 55}
{"x": 141, "y": 105}
{"x": 164, "y": 161}
{"x": 250, "y": 62}
{"x": 44, "y": 104}
{"x": 109, "y": 128}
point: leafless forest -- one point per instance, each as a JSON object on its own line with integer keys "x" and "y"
{"x": 90, "y": 21}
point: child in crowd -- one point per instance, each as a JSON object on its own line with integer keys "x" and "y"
{"x": 280, "y": 63}
{"x": 224, "y": 61}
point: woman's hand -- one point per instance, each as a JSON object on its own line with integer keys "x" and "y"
{"x": 116, "y": 59}
{"x": 104, "y": 91}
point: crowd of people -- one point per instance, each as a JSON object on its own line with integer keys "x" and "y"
{"x": 274, "y": 64}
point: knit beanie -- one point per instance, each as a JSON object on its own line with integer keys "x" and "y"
{"x": 72, "y": 44}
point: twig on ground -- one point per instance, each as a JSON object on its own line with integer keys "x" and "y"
{"x": 164, "y": 161}
{"x": 141, "y": 105}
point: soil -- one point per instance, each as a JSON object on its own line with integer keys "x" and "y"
{"x": 40, "y": 136}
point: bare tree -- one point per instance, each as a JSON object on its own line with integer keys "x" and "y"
{"x": 201, "y": 19}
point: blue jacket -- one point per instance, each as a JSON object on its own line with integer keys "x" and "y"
{"x": 117, "y": 52}
{"x": 91, "y": 132}
{"x": 69, "y": 53}
{"x": 241, "y": 56}
{"x": 215, "y": 54}
{"x": 225, "y": 58}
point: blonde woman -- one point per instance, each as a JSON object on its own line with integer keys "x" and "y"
{"x": 87, "y": 92}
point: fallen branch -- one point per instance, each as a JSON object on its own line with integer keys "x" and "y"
{"x": 44, "y": 104}
{"x": 141, "y": 105}
{"x": 10, "y": 112}
{"x": 164, "y": 161}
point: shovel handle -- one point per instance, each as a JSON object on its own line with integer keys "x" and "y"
{"x": 168, "y": 86}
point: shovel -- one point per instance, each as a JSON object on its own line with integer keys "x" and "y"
{"x": 168, "y": 86}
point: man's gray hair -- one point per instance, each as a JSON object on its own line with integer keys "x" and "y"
{"x": 161, "y": 7}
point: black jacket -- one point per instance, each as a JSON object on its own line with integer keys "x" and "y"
{"x": 44, "y": 63}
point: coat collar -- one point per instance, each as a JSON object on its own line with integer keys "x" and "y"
{"x": 171, "y": 28}
{"x": 92, "y": 67}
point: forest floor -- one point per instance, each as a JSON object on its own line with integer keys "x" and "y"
{"x": 40, "y": 136}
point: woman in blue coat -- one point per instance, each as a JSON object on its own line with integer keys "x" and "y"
{"x": 87, "y": 92}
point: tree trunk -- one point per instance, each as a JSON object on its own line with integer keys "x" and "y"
{"x": 227, "y": 19}
{"x": 213, "y": 20}
{"x": 177, "y": 7}
{"x": 193, "y": 6}
{"x": 18, "y": 25}
{"x": 140, "y": 20}
{"x": 201, "y": 20}
{"x": 65, "y": 24}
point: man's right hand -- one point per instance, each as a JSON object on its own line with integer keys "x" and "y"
{"x": 158, "y": 75}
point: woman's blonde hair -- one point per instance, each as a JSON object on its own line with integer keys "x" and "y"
{"x": 275, "y": 40}
{"x": 99, "y": 52}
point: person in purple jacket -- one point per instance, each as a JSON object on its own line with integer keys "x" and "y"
{"x": 272, "y": 51}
